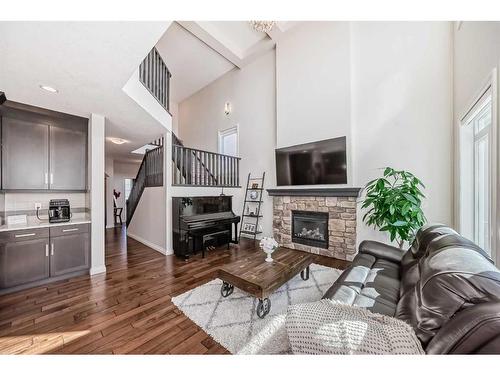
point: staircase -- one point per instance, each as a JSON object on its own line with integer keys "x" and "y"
{"x": 191, "y": 167}
{"x": 150, "y": 174}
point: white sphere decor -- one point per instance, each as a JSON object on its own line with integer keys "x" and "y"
{"x": 269, "y": 245}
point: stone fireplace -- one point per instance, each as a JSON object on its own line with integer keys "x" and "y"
{"x": 319, "y": 221}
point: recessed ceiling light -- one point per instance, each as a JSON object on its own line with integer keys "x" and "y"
{"x": 49, "y": 89}
{"x": 117, "y": 141}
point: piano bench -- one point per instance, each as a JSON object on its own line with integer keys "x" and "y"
{"x": 210, "y": 237}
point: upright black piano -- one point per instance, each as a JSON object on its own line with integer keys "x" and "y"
{"x": 199, "y": 222}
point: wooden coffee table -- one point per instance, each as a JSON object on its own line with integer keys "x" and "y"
{"x": 259, "y": 278}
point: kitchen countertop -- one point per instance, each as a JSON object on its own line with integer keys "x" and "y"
{"x": 34, "y": 223}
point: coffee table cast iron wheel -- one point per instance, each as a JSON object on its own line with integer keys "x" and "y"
{"x": 264, "y": 305}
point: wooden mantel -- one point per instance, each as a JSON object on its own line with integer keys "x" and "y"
{"x": 316, "y": 192}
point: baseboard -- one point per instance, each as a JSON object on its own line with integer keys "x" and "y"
{"x": 98, "y": 269}
{"x": 147, "y": 243}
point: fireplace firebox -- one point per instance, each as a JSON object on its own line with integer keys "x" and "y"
{"x": 310, "y": 228}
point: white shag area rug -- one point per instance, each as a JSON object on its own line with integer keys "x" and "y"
{"x": 233, "y": 322}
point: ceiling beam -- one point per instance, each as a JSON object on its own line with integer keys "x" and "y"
{"x": 212, "y": 41}
{"x": 212, "y": 37}
{"x": 280, "y": 28}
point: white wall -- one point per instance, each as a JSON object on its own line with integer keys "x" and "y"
{"x": 148, "y": 223}
{"x": 251, "y": 92}
{"x": 476, "y": 48}
{"x": 96, "y": 174}
{"x": 26, "y": 201}
{"x": 401, "y": 108}
{"x": 476, "y": 54}
{"x": 384, "y": 85}
{"x": 313, "y": 83}
{"x": 174, "y": 110}
{"x": 141, "y": 95}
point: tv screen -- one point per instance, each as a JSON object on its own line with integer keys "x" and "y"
{"x": 315, "y": 163}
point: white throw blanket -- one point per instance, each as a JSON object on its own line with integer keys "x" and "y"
{"x": 328, "y": 327}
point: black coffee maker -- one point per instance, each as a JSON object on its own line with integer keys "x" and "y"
{"x": 59, "y": 211}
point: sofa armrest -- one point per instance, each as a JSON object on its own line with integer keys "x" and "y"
{"x": 473, "y": 330}
{"x": 381, "y": 250}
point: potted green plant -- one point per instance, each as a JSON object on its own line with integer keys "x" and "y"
{"x": 394, "y": 205}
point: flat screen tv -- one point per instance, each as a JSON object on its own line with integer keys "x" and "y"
{"x": 315, "y": 163}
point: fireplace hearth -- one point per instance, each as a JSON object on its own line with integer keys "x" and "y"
{"x": 310, "y": 228}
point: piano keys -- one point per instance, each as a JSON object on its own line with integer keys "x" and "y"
{"x": 198, "y": 221}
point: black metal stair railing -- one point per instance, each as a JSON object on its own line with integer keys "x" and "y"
{"x": 155, "y": 76}
{"x": 193, "y": 167}
{"x": 150, "y": 174}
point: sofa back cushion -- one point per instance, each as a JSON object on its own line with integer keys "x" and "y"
{"x": 410, "y": 272}
{"x": 453, "y": 274}
{"x": 425, "y": 235}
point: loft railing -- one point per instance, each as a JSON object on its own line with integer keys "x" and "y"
{"x": 176, "y": 141}
{"x": 194, "y": 167}
{"x": 150, "y": 174}
{"x": 155, "y": 76}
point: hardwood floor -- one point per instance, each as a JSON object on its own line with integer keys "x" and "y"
{"x": 126, "y": 310}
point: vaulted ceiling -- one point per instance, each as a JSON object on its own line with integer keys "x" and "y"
{"x": 192, "y": 63}
{"x": 199, "y": 52}
{"x": 90, "y": 62}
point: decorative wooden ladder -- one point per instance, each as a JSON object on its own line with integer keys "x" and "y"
{"x": 252, "y": 186}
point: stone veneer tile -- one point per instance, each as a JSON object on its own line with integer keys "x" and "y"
{"x": 341, "y": 223}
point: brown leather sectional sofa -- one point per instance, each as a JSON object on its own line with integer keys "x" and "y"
{"x": 444, "y": 286}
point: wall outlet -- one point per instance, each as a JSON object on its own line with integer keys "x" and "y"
{"x": 38, "y": 206}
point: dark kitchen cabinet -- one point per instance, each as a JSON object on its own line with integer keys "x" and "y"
{"x": 68, "y": 158}
{"x": 42, "y": 149}
{"x": 25, "y": 154}
{"x": 24, "y": 257}
{"x": 70, "y": 249}
{"x": 33, "y": 257}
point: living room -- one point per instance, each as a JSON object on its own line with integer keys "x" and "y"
{"x": 321, "y": 184}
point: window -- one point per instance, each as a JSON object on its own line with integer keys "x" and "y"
{"x": 476, "y": 176}
{"x": 128, "y": 187}
{"x": 228, "y": 141}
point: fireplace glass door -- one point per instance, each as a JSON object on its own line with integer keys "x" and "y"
{"x": 310, "y": 228}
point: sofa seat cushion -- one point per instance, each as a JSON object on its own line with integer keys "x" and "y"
{"x": 377, "y": 284}
{"x": 387, "y": 269}
{"x": 370, "y": 283}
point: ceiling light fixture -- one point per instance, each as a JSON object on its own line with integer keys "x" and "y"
{"x": 263, "y": 26}
{"x": 49, "y": 89}
{"x": 117, "y": 141}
